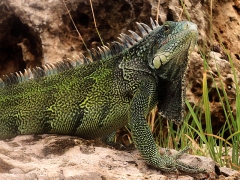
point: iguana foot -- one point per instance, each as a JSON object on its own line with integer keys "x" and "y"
{"x": 169, "y": 163}
{"x": 111, "y": 141}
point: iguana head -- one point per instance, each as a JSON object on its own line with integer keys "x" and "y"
{"x": 173, "y": 39}
{"x": 174, "y": 42}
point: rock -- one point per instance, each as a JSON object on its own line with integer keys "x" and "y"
{"x": 230, "y": 173}
{"x": 50, "y": 33}
{"x": 16, "y": 171}
{"x": 67, "y": 157}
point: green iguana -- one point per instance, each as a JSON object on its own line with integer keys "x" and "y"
{"x": 125, "y": 81}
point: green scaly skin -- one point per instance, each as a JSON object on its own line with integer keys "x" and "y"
{"x": 95, "y": 99}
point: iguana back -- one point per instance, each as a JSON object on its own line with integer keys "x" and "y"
{"x": 78, "y": 101}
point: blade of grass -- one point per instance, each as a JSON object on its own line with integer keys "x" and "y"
{"x": 79, "y": 34}
{"x": 158, "y": 8}
{"x": 95, "y": 24}
{"x": 206, "y": 106}
{"x": 197, "y": 123}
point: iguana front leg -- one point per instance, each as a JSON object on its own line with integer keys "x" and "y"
{"x": 142, "y": 103}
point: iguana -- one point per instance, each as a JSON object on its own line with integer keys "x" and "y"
{"x": 122, "y": 84}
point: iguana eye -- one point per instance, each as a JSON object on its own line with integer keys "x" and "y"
{"x": 166, "y": 28}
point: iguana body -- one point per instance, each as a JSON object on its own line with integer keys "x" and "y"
{"x": 95, "y": 99}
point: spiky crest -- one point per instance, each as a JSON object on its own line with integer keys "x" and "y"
{"x": 103, "y": 52}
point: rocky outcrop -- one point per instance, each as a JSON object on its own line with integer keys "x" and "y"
{"x": 64, "y": 157}
{"x": 48, "y": 34}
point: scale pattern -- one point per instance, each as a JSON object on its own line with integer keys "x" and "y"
{"x": 118, "y": 86}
